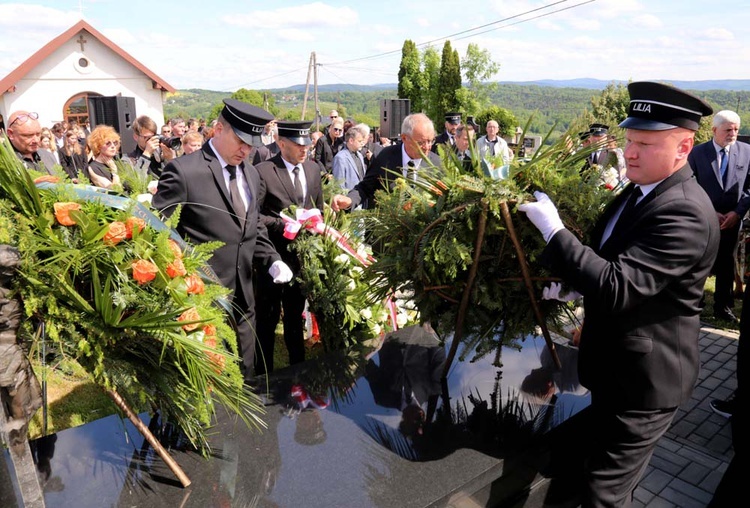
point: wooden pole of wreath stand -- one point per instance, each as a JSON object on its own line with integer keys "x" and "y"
{"x": 481, "y": 226}
{"x": 176, "y": 469}
{"x": 527, "y": 281}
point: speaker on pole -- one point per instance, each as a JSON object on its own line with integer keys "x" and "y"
{"x": 392, "y": 114}
{"x": 117, "y": 112}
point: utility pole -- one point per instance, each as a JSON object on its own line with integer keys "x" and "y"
{"x": 317, "y": 110}
{"x": 307, "y": 84}
{"x": 265, "y": 101}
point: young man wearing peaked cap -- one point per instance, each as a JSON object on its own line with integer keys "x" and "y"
{"x": 218, "y": 192}
{"x": 286, "y": 179}
{"x": 642, "y": 280}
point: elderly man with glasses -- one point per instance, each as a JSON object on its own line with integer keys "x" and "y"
{"x": 408, "y": 158}
{"x": 25, "y": 133}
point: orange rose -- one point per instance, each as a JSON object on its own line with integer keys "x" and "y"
{"x": 46, "y": 178}
{"x": 144, "y": 271}
{"x": 175, "y": 248}
{"x": 116, "y": 233}
{"x": 407, "y": 206}
{"x": 176, "y": 269}
{"x": 62, "y": 213}
{"x": 210, "y": 331}
{"x": 133, "y": 223}
{"x": 190, "y": 315}
{"x": 195, "y": 284}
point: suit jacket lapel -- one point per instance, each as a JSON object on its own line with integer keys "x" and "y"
{"x": 218, "y": 173}
{"x": 284, "y": 177}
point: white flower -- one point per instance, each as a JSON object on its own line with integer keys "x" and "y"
{"x": 366, "y": 313}
{"x": 376, "y": 329}
{"x": 352, "y": 285}
{"x": 342, "y": 259}
{"x": 401, "y": 319}
{"x": 357, "y": 269}
{"x": 382, "y": 317}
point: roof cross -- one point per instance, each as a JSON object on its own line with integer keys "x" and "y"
{"x": 81, "y": 41}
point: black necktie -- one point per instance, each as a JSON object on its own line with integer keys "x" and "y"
{"x": 628, "y": 209}
{"x": 358, "y": 163}
{"x": 492, "y": 147}
{"x": 595, "y": 157}
{"x": 298, "y": 196}
{"x": 234, "y": 193}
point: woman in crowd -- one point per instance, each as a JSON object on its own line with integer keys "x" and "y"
{"x": 104, "y": 144}
{"x": 192, "y": 141}
{"x": 330, "y": 144}
{"x": 47, "y": 142}
{"x": 72, "y": 156}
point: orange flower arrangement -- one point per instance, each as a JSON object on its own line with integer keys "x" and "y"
{"x": 62, "y": 213}
{"x": 195, "y": 284}
{"x": 176, "y": 268}
{"x": 133, "y": 223}
{"x": 144, "y": 271}
{"x": 47, "y": 178}
{"x": 210, "y": 331}
{"x": 175, "y": 248}
{"x": 117, "y": 233}
{"x": 190, "y": 315}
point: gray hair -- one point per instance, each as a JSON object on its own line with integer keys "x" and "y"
{"x": 360, "y": 128}
{"x": 407, "y": 126}
{"x": 726, "y": 116}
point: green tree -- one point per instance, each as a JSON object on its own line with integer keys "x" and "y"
{"x": 611, "y": 105}
{"x": 410, "y": 77}
{"x": 450, "y": 80}
{"x": 253, "y": 97}
{"x": 506, "y": 120}
{"x": 478, "y": 68}
{"x": 431, "y": 72}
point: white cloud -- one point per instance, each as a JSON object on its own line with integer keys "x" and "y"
{"x": 295, "y": 35}
{"x": 424, "y": 22}
{"x": 314, "y": 15}
{"x": 38, "y": 18}
{"x": 717, "y": 34}
{"x": 548, "y": 25}
{"x": 647, "y": 21}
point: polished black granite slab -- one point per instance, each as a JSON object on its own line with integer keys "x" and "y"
{"x": 343, "y": 430}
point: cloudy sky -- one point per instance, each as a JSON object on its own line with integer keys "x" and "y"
{"x": 228, "y": 44}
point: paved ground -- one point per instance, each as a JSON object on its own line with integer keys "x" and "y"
{"x": 690, "y": 460}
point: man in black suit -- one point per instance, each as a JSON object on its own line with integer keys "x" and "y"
{"x": 286, "y": 179}
{"x": 642, "y": 281}
{"x": 452, "y": 121}
{"x": 218, "y": 193}
{"x": 721, "y": 167}
{"x": 408, "y": 158}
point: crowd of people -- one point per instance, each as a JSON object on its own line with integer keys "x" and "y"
{"x": 642, "y": 278}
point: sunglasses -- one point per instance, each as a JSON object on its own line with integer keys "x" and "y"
{"x": 23, "y": 118}
{"x": 337, "y": 130}
{"x": 111, "y": 143}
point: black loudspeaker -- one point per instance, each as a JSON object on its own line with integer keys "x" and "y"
{"x": 392, "y": 114}
{"x": 118, "y": 112}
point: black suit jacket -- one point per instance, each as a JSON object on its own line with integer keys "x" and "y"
{"x": 443, "y": 139}
{"x": 735, "y": 195}
{"x": 642, "y": 292}
{"x": 196, "y": 182}
{"x": 276, "y": 193}
{"x": 378, "y": 177}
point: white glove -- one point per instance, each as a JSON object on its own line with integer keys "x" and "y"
{"x": 280, "y": 272}
{"x": 553, "y": 293}
{"x": 543, "y": 215}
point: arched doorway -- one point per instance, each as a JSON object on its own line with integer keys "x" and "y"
{"x": 77, "y": 108}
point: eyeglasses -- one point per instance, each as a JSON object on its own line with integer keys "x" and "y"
{"x": 336, "y": 129}
{"x": 23, "y": 118}
{"x": 423, "y": 144}
{"x": 333, "y": 117}
{"x": 112, "y": 143}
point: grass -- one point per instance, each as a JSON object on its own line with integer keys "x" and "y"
{"x": 74, "y": 400}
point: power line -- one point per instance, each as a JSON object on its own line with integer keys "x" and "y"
{"x": 428, "y": 43}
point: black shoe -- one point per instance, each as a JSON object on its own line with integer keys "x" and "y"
{"x": 724, "y": 408}
{"x": 726, "y": 315}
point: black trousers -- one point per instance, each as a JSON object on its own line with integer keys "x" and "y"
{"x": 244, "y": 317}
{"x": 270, "y": 300}
{"x": 724, "y": 269}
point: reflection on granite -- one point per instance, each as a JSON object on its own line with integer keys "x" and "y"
{"x": 347, "y": 429}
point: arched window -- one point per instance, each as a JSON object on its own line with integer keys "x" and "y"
{"x": 77, "y": 108}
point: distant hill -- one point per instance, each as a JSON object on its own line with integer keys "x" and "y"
{"x": 738, "y": 85}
